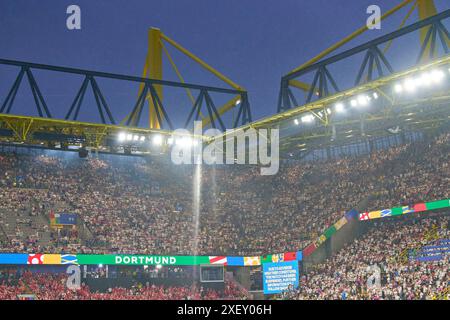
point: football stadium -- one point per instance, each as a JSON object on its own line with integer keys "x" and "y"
{"x": 164, "y": 179}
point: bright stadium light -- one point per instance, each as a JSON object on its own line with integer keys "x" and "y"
{"x": 142, "y": 138}
{"x": 363, "y": 100}
{"x": 375, "y": 95}
{"x": 157, "y": 140}
{"x": 170, "y": 141}
{"x": 135, "y": 137}
{"x": 339, "y": 107}
{"x": 437, "y": 76}
{"x": 353, "y": 102}
{"x": 238, "y": 102}
{"x": 328, "y": 110}
{"x": 398, "y": 88}
{"x": 410, "y": 85}
{"x": 122, "y": 136}
{"x": 308, "y": 118}
{"x": 129, "y": 137}
{"x": 426, "y": 79}
{"x": 296, "y": 122}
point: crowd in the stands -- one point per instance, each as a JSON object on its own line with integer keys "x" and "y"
{"x": 379, "y": 265}
{"x": 51, "y": 286}
{"x": 129, "y": 205}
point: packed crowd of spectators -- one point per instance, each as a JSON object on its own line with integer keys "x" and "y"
{"x": 51, "y": 286}
{"x": 130, "y": 205}
{"x": 377, "y": 266}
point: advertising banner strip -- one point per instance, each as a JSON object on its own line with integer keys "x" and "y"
{"x": 330, "y": 231}
{"x": 235, "y": 261}
{"x": 309, "y": 250}
{"x": 340, "y": 223}
{"x": 397, "y": 211}
{"x": 438, "y": 204}
{"x": 123, "y": 259}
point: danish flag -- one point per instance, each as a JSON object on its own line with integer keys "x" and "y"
{"x": 364, "y": 216}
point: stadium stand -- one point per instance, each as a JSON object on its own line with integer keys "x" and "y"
{"x": 130, "y": 205}
{"x": 123, "y": 214}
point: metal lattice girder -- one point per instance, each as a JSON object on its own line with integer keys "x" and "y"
{"x": 428, "y": 50}
{"x": 99, "y": 99}
{"x": 374, "y": 57}
{"x": 375, "y": 85}
{"x": 37, "y": 95}
{"x": 106, "y": 114}
{"x": 319, "y": 85}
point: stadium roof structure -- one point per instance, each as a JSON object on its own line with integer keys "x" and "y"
{"x": 363, "y": 92}
{"x": 381, "y": 101}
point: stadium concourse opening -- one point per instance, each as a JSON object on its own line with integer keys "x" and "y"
{"x": 358, "y": 208}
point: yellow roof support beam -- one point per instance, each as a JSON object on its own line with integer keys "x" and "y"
{"x": 155, "y": 72}
{"x": 202, "y": 63}
{"x": 300, "y": 85}
{"x": 152, "y": 70}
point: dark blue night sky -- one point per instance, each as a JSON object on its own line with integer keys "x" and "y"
{"x": 253, "y": 42}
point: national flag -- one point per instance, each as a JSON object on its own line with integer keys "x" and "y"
{"x": 218, "y": 260}
{"x": 252, "y": 261}
{"x": 279, "y": 257}
{"x": 35, "y": 258}
{"x": 386, "y": 213}
{"x": 52, "y": 217}
{"x": 290, "y": 256}
{"x": 51, "y": 259}
{"x": 67, "y": 219}
{"x": 407, "y": 209}
{"x": 419, "y": 207}
{"x": 69, "y": 259}
{"x": 364, "y": 216}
